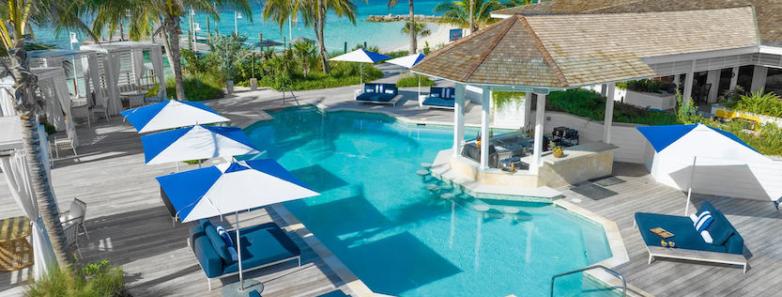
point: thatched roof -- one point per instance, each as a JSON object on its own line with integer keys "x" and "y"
{"x": 563, "y": 51}
{"x": 768, "y": 12}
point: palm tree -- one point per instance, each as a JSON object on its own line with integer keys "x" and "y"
{"x": 152, "y": 17}
{"x": 16, "y": 18}
{"x": 471, "y": 14}
{"x": 313, "y": 13}
{"x": 413, "y": 34}
{"x": 305, "y": 51}
{"x": 420, "y": 29}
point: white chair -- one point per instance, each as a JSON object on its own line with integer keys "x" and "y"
{"x": 75, "y": 215}
{"x": 93, "y": 108}
{"x": 63, "y": 141}
{"x": 71, "y": 232}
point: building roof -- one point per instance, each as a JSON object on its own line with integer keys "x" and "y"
{"x": 768, "y": 12}
{"x": 563, "y": 51}
{"x": 661, "y": 137}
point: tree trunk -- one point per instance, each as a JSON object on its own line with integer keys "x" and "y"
{"x": 473, "y": 26}
{"x": 413, "y": 31}
{"x": 320, "y": 22}
{"x": 171, "y": 44}
{"x": 24, "y": 83}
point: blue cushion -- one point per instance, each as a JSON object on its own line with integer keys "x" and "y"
{"x": 210, "y": 262}
{"x": 217, "y": 242}
{"x": 440, "y": 102}
{"x": 254, "y": 293}
{"x": 228, "y": 242}
{"x": 262, "y": 245}
{"x": 720, "y": 230}
{"x": 685, "y": 235}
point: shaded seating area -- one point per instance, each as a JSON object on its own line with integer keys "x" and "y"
{"x": 262, "y": 246}
{"x": 378, "y": 93}
{"x": 439, "y": 97}
{"x": 726, "y": 246}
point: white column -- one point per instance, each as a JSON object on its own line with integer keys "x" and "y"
{"x": 485, "y": 109}
{"x": 713, "y": 78}
{"x": 527, "y": 110}
{"x": 688, "y": 80}
{"x": 759, "y": 79}
{"x": 540, "y": 113}
{"x": 609, "y": 113}
{"x": 734, "y": 79}
{"x": 458, "y": 120}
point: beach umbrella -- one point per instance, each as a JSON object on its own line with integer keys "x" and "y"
{"x": 171, "y": 114}
{"x": 231, "y": 188}
{"x": 408, "y": 62}
{"x": 361, "y": 56}
{"x": 195, "y": 143}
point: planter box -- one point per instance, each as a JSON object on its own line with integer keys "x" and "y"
{"x": 647, "y": 100}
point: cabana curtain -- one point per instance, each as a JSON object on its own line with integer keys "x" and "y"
{"x": 157, "y": 62}
{"x": 18, "y": 179}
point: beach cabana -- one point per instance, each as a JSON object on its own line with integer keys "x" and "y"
{"x": 710, "y": 161}
{"x": 81, "y": 70}
{"x": 124, "y": 72}
{"x": 57, "y": 102}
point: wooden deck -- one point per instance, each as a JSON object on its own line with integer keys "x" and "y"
{"x": 758, "y": 222}
{"x": 129, "y": 225}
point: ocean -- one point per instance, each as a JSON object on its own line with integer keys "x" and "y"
{"x": 387, "y": 36}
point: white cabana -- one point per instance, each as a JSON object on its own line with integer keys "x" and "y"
{"x": 14, "y": 168}
{"x": 81, "y": 70}
{"x": 58, "y": 105}
{"x": 123, "y": 70}
{"x": 710, "y": 161}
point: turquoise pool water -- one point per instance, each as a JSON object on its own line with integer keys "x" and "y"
{"x": 401, "y": 239}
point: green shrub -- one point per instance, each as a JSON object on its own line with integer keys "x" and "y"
{"x": 198, "y": 87}
{"x": 501, "y": 98}
{"x": 99, "y": 279}
{"x": 642, "y": 85}
{"x": 397, "y": 54}
{"x": 411, "y": 81}
{"x": 591, "y": 105}
{"x": 766, "y": 104}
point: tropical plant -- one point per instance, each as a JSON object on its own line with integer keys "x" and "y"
{"x": 503, "y": 98}
{"x": 281, "y": 66}
{"x": 17, "y": 18}
{"x": 147, "y": 18}
{"x": 199, "y": 86}
{"x": 304, "y": 50}
{"x": 228, "y": 52}
{"x": 414, "y": 80}
{"x": 420, "y": 29}
{"x": 411, "y": 24}
{"x": 471, "y": 14}
{"x": 766, "y": 104}
{"x": 313, "y": 13}
{"x": 99, "y": 279}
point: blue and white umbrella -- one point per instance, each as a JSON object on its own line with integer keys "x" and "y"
{"x": 408, "y": 62}
{"x": 362, "y": 56}
{"x": 230, "y": 188}
{"x": 171, "y": 114}
{"x": 196, "y": 143}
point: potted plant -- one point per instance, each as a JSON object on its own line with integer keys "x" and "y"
{"x": 558, "y": 151}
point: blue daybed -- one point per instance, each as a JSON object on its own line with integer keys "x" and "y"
{"x": 262, "y": 245}
{"x": 727, "y": 245}
{"x": 378, "y": 94}
{"x": 439, "y": 98}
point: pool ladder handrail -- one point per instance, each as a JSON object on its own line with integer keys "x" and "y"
{"x": 609, "y": 270}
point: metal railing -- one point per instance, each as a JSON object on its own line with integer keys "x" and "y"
{"x": 609, "y": 270}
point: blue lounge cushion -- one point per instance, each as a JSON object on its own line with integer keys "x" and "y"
{"x": 228, "y": 242}
{"x": 685, "y": 235}
{"x": 210, "y": 261}
{"x": 436, "y": 101}
{"x": 262, "y": 245}
{"x": 720, "y": 230}
{"x": 378, "y": 93}
{"x": 254, "y": 293}
{"x": 217, "y": 243}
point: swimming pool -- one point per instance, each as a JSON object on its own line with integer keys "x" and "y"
{"x": 399, "y": 237}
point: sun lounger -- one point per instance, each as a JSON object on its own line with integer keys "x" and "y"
{"x": 378, "y": 94}
{"x": 443, "y": 98}
{"x": 727, "y": 246}
{"x": 262, "y": 246}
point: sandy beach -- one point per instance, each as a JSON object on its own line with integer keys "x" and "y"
{"x": 438, "y": 37}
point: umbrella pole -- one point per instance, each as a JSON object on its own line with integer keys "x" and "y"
{"x": 419, "y": 86}
{"x": 361, "y": 73}
{"x": 239, "y": 252}
{"x": 689, "y": 190}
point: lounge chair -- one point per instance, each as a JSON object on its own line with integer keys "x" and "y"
{"x": 378, "y": 94}
{"x": 727, "y": 246}
{"x": 443, "y": 98}
{"x": 262, "y": 246}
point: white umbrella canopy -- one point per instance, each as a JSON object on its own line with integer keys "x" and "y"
{"x": 362, "y": 56}
{"x": 407, "y": 61}
{"x": 171, "y": 114}
{"x": 196, "y": 143}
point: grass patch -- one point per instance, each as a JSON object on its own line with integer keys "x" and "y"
{"x": 198, "y": 87}
{"x": 410, "y": 81}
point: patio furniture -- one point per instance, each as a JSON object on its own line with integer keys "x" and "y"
{"x": 443, "y": 98}
{"x": 94, "y": 108}
{"x": 727, "y": 246}
{"x": 68, "y": 142}
{"x": 378, "y": 94}
{"x": 71, "y": 232}
{"x": 75, "y": 215}
{"x": 262, "y": 246}
{"x": 15, "y": 252}
{"x": 254, "y": 293}
{"x": 132, "y": 98}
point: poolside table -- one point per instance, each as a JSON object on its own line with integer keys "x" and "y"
{"x": 15, "y": 251}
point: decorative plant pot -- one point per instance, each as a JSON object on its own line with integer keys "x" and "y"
{"x": 558, "y": 152}
{"x": 253, "y": 84}
{"x": 229, "y": 87}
